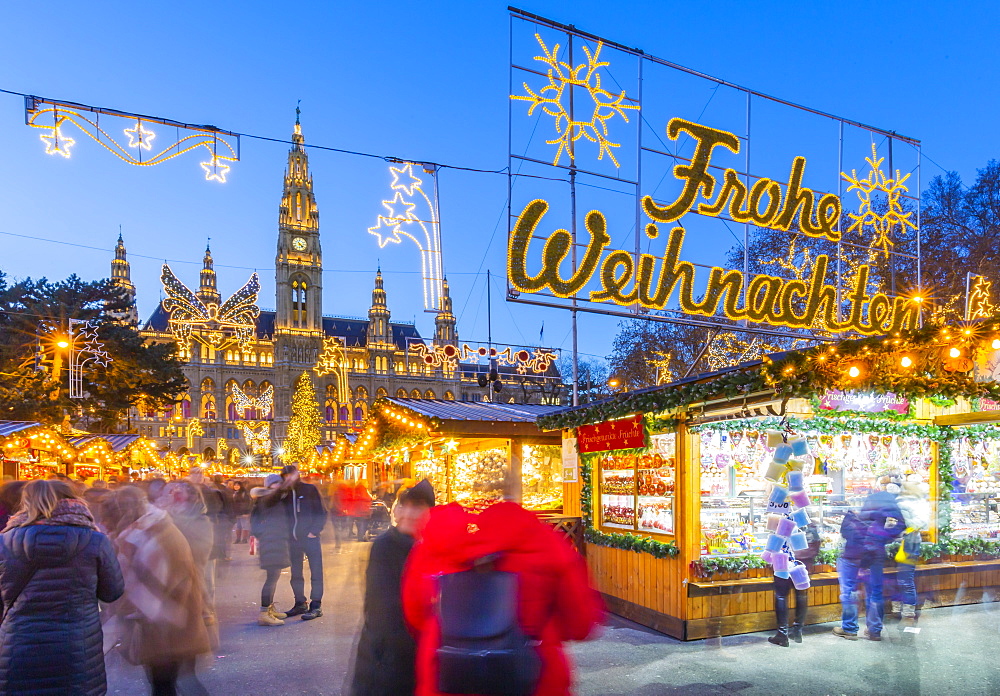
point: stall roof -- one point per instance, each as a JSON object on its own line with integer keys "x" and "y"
{"x": 8, "y": 428}
{"x": 475, "y": 410}
{"x": 659, "y": 387}
{"x": 117, "y": 442}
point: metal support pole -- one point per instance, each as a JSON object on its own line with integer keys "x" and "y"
{"x": 572, "y": 230}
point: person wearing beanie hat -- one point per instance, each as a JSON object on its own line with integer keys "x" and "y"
{"x": 384, "y": 633}
{"x": 269, "y": 526}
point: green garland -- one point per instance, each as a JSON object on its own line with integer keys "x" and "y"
{"x": 813, "y": 371}
{"x": 707, "y": 566}
{"x": 625, "y": 540}
{"x": 828, "y": 426}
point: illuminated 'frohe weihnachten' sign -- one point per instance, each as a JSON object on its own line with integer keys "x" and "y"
{"x": 803, "y": 304}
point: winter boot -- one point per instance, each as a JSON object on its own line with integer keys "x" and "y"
{"x": 781, "y": 614}
{"x": 896, "y": 608}
{"x": 314, "y": 611}
{"x": 275, "y": 613}
{"x": 267, "y": 619}
{"x": 801, "y": 611}
{"x": 299, "y": 609}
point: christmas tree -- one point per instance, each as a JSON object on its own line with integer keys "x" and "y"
{"x": 304, "y": 426}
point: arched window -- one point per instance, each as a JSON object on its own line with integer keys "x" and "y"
{"x": 429, "y": 394}
{"x": 186, "y": 407}
{"x": 381, "y": 393}
{"x": 448, "y": 396}
{"x": 400, "y": 393}
{"x": 359, "y": 412}
{"x": 345, "y": 414}
{"x": 415, "y": 394}
{"x": 331, "y": 411}
{"x": 299, "y": 290}
{"x": 208, "y": 410}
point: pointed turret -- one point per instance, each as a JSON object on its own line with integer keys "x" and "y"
{"x": 379, "y": 335}
{"x": 121, "y": 276}
{"x": 298, "y": 204}
{"x": 445, "y": 332}
{"x": 208, "y": 291}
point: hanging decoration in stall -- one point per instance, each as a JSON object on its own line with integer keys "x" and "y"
{"x": 54, "y": 117}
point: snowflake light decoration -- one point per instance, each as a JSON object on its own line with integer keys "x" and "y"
{"x": 884, "y": 224}
{"x": 563, "y": 77}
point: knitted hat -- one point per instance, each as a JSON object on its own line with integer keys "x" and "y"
{"x": 271, "y": 479}
{"x": 421, "y": 494}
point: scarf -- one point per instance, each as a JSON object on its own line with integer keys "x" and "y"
{"x": 67, "y": 512}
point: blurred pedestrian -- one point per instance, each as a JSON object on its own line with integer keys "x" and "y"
{"x": 160, "y": 620}
{"x": 226, "y": 518}
{"x": 241, "y": 511}
{"x": 551, "y": 597}
{"x": 54, "y": 567}
{"x": 10, "y": 500}
{"x": 270, "y": 526}
{"x": 186, "y": 506}
{"x": 338, "y": 499}
{"x": 916, "y": 509}
{"x": 214, "y": 506}
{"x": 387, "y": 653}
{"x": 307, "y": 517}
{"x": 359, "y": 509}
{"x": 866, "y": 535}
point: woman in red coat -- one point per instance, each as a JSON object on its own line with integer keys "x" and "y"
{"x": 556, "y": 602}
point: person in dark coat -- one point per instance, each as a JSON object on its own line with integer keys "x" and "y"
{"x": 866, "y": 535}
{"x": 269, "y": 525}
{"x": 10, "y": 500}
{"x": 306, "y": 519}
{"x": 241, "y": 511}
{"x": 386, "y": 659}
{"x": 54, "y": 567}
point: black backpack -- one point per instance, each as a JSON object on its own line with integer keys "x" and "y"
{"x": 483, "y": 649}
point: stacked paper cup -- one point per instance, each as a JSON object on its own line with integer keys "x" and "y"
{"x": 787, "y": 534}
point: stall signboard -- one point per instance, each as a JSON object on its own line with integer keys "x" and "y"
{"x": 617, "y": 434}
{"x": 983, "y": 404}
{"x": 570, "y": 462}
{"x": 662, "y": 247}
{"x": 836, "y": 400}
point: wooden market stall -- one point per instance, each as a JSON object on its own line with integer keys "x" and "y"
{"x": 673, "y": 493}
{"x": 32, "y": 450}
{"x": 466, "y": 449}
{"x": 103, "y": 455}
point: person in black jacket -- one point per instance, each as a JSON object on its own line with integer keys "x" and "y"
{"x": 269, "y": 526}
{"x": 386, "y": 658}
{"x": 54, "y": 567}
{"x": 306, "y": 517}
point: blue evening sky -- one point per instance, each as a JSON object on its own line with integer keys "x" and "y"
{"x": 424, "y": 81}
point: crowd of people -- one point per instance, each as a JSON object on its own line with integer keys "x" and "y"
{"x": 130, "y": 566}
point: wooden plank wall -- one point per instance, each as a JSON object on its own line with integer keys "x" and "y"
{"x": 639, "y": 578}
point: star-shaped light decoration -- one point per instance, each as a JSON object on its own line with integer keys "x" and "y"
{"x": 140, "y": 137}
{"x": 395, "y": 217}
{"x": 215, "y": 169}
{"x": 56, "y": 143}
{"x": 450, "y": 445}
{"x": 403, "y": 179}
{"x": 386, "y": 231}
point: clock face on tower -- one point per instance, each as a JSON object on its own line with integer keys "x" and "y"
{"x": 299, "y": 244}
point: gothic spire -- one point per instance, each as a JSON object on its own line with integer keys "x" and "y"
{"x": 208, "y": 291}
{"x": 445, "y": 331}
{"x": 121, "y": 276}
{"x": 298, "y": 204}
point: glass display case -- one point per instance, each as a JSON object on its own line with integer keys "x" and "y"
{"x": 841, "y": 470}
{"x": 637, "y": 491}
{"x": 976, "y": 497}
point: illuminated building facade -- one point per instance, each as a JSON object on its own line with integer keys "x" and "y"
{"x": 353, "y": 361}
